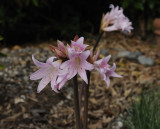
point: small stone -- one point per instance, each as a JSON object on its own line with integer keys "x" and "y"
{"x": 18, "y": 100}
{"x": 145, "y": 60}
{"x": 1, "y": 73}
{"x": 124, "y": 54}
{"x": 5, "y": 50}
{"x": 134, "y": 55}
{"x": 119, "y": 124}
{"x": 104, "y": 51}
{"x": 26, "y": 78}
{"x": 119, "y": 49}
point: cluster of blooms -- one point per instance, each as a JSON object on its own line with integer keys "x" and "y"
{"x": 69, "y": 61}
{"x": 75, "y": 59}
{"x": 115, "y": 20}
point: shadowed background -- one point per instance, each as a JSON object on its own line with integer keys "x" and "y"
{"x": 35, "y": 20}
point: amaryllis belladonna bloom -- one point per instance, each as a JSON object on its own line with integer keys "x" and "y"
{"x": 77, "y": 62}
{"x": 77, "y": 46}
{"x": 48, "y": 72}
{"x": 116, "y": 20}
{"x": 105, "y": 70}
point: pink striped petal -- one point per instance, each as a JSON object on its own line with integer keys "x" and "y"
{"x": 86, "y": 65}
{"x": 38, "y": 63}
{"x": 43, "y": 83}
{"x": 107, "y": 80}
{"x": 50, "y": 60}
{"x": 72, "y": 73}
{"x": 62, "y": 83}
{"x": 56, "y": 63}
{"x": 54, "y": 84}
{"x": 39, "y": 74}
{"x": 114, "y": 74}
{"x": 82, "y": 74}
{"x": 85, "y": 54}
{"x": 65, "y": 64}
{"x": 80, "y": 40}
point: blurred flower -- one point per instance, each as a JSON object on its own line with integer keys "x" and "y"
{"x": 48, "y": 72}
{"x": 60, "y": 51}
{"x": 115, "y": 20}
{"x": 104, "y": 69}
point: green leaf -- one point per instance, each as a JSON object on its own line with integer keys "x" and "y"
{"x": 125, "y": 4}
{"x": 1, "y": 38}
{"x": 2, "y": 55}
{"x": 35, "y": 2}
{"x": 139, "y": 6}
{"x": 1, "y": 66}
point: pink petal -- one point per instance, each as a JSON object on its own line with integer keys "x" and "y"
{"x": 39, "y": 74}
{"x": 55, "y": 88}
{"x": 86, "y": 65}
{"x": 50, "y": 60}
{"x": 65, "y": 64}
{"x": 59, "y": 79}
{"x": 107, "y": 80}
{"x": 114, "y": 74}
{"x": 85, "y": 54}
{"x": 43, "y": 83}
{"x": 80, "y": 40}
{"x": 98, "y": 62}
{"x": 62, "y": 83}
{"x": 113, "y": 67}
{"x": 56, "y": 63}
{"x": 54, "y": 84}
{"x": 62, "y": 72}
{"x": 107, "y": 58}
{"x": 96, "y": 56}
{"x": 110, "y": 28}
{"x": 82, "y": 74}
{"x": 61, "y": 46}
{"x": 38, "y": 63}
{"x": 72, "y": 73}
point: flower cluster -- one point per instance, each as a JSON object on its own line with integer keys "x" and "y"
{"x": 69, "y": 61}
{"x": 115, "y": 20}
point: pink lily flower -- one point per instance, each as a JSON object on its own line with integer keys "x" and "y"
{"x": 48, "y": 72}
{"x": 77, "y": 46}
{"x": 77, "y": 64}
{"x": 115, "y": 20}
{"x": 105, "y": 71}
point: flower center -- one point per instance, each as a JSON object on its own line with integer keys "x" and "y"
{"x": 77, "y": 48}
{"x": 77, "y": 62}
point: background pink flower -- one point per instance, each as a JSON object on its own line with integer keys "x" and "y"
{"x": 116, "y": 20}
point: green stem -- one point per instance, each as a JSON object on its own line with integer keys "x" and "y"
{"x": 86, "y": 89}
{"x": 76, "y": 103}
{"x": 96, "y": 44}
